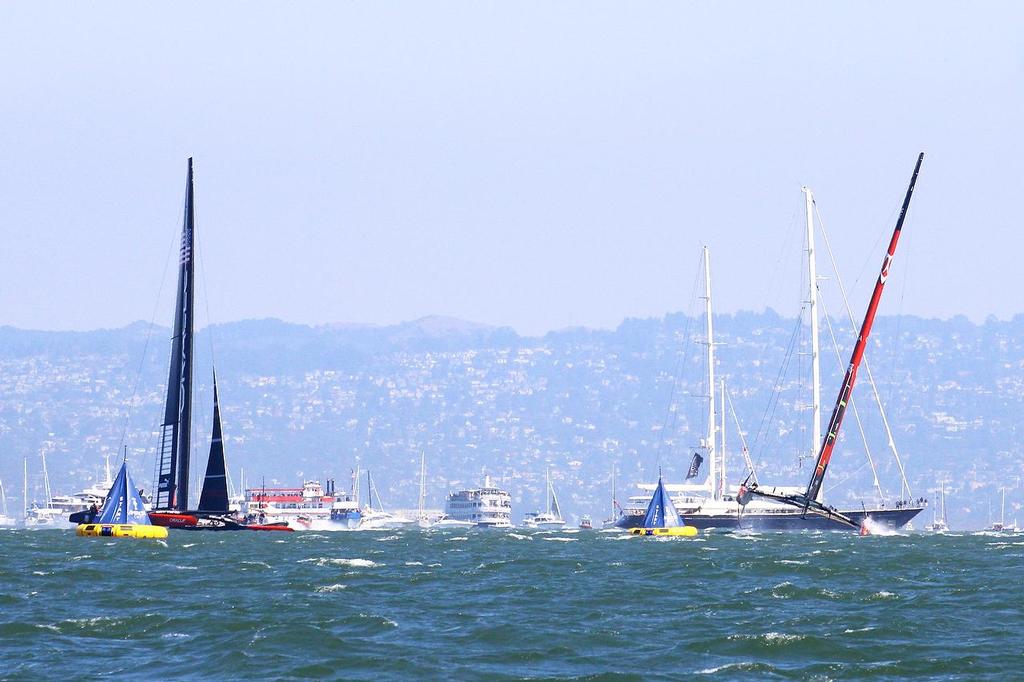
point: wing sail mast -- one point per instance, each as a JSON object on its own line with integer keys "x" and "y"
{"x": 176, "y": 430}
{"x": 808, "y": 500}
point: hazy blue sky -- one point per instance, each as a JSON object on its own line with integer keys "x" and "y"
{"x": 537, "y": 165}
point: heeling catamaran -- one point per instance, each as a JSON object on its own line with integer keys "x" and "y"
{"x": 812, "y": 511}
{"x": 171, "y": 506}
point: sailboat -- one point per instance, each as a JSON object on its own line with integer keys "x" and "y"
{"x": 808, "y": 502}
{"x": 372, "y": 518}
{"x": 939, "y": 523}
{"x": 1001, "y": 526}
{"x": 661, "y": 518}
{"x": 6, "y": 520}
{"x": 171, "y": 506}
{"x": 551, "y": 517}
{"x": 616, "y": 510}
{"x": 689, "y": 497}
{"x": 422, "y": 520}
{"x": 124, "y": 513}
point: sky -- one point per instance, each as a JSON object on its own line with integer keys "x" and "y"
{"x": 530, "y": 164}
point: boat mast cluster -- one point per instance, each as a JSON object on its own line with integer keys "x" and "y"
{"x": 809, "y": 500}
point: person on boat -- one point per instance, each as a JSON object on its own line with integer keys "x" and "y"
{"x": 94, "y": 511}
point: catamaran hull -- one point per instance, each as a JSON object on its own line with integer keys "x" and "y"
{"x": 186, "y": 521}
{"x": 785, "y": 520}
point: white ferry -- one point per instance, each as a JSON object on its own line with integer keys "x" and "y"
{"x": 298, "y": 507}
{"x": 487, "y": 507}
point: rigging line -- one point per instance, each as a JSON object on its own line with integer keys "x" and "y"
{"x": 840, "y": 483}
{"x": 897, "y": 352}
{"x": 743, "y": 440}
{"x": 768, "y": 417}
{"x": 867, "y": 367}
{"x": 853, "y": 404}
{"x": 175, "y": 239}
{"x": 205, "y": 288}
{"x": 874, "y": 247}
{"x": 680, "y": 367}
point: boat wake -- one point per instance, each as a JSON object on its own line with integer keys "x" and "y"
{"x": 877, "y": 528}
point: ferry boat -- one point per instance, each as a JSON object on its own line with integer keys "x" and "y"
{"x": 486, "y": 507}
{"x": 305, "y": 507}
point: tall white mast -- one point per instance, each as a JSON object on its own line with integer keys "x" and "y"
{"x": 24, "y": 493}
{"x": 812, "y": 307}
{"x": 1002, "y": 510}
{"x": 547, "y": 489}
{"x": 3, "y": 498}
{"x": 423, "y": 482}
{"x": 46, "y": 480}
{"x": 710, "y": 442}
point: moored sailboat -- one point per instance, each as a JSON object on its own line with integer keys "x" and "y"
{"x": 809, "y": 501}
{"x": 551, "y": 517}
{"x": 939, "y": 523}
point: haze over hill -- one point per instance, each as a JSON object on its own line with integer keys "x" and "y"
{"x": 310, "y": 402}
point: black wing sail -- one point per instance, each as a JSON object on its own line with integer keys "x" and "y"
{"x": 214, "y": 497}
{"x": 172, "y": 474}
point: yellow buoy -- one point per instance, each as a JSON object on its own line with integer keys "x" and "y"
{"x": 671, "y": 531}
{"x": 121, "y": 530}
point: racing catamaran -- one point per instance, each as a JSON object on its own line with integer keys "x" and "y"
{"x": 171, "y": 505}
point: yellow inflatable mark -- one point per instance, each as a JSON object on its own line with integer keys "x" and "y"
{"x": 121, "y": 530}
{"x": 675, "y": 531}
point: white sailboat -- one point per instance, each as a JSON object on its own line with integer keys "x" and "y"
{"x": 938, "y": 524}
{"x": 551, "y": 517}
{"x": 6, "y": 520}
{"x": 1001, "y": 526}
{"x": 372, "y": 518}
{"x": 616, "y": 510}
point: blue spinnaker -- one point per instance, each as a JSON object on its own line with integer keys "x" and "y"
{"x": 661, "y": 513}
{"x": 124, "y": 503}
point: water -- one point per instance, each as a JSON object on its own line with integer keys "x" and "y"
{"x": 511, "y": 605}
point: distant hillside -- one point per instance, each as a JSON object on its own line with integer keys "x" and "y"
{"x": 304, "y": 402}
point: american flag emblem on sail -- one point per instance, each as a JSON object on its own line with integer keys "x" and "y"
{"x": 186, "y": 246}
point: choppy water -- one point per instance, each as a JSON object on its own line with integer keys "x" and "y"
{"x": 511, "y": 605}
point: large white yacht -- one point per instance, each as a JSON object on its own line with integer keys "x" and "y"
{"x": 488, "y": 506}
{"x": 55, "y": 511}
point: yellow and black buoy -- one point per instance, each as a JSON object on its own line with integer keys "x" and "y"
{"x": 121, "y": 530}
{"x": 670, "y": 531}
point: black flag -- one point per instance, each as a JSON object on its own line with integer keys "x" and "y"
{"x": 694, "y": 466}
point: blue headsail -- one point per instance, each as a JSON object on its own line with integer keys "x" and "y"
{"x": 661, "y": 513}
{"x": 124, "y": 504}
